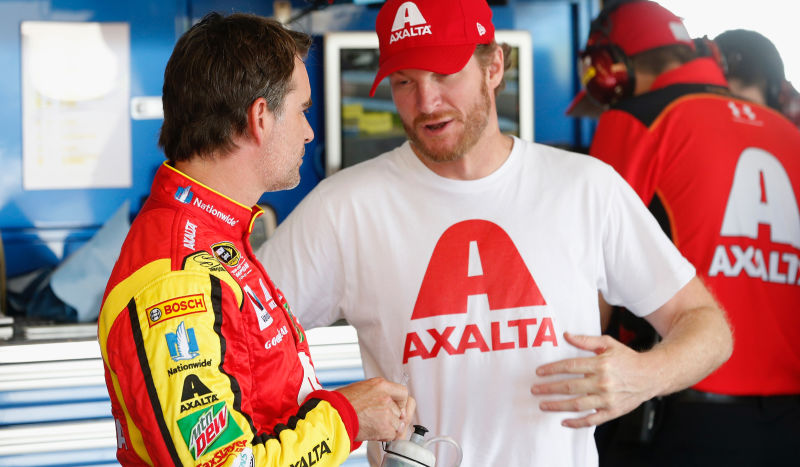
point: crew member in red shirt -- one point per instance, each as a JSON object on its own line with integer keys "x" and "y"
{"x": 723, "y": 176}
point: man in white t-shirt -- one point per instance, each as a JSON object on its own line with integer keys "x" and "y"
{"x": 470, "y": 262}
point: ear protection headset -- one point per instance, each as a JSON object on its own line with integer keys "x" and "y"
{"x": 606, "y": 72}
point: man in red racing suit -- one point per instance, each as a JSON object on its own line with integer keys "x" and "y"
{"x": 200, "y": 347}
{"x": 204, "y": 362}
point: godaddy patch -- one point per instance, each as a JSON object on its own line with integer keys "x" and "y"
{"x": 208, "y": 429}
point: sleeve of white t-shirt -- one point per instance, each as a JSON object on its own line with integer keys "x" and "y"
{"x": 642, "y": 267}
{"x": 304, "y": 260}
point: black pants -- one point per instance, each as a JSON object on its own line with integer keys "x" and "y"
{"x": 756, "y": 432}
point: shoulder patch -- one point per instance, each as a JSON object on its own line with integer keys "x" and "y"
{"x": 207, "y": 430}
{"x": 226, "y": 252}
{"x": 202, "y": 260}
{"x": 175, "y": 307}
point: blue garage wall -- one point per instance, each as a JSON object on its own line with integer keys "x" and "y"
{"x": 40, "y": 228}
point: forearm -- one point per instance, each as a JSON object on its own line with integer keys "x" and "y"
{"x": 695, "y": 344}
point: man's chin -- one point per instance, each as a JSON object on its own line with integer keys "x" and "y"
{"x": 287, "y": 184}
{"x": 439, "y": 153}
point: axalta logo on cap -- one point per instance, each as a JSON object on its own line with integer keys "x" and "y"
{"x": 408, "y": 22}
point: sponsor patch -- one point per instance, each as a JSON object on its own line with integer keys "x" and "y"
{"x": 175, "y": 307}
{"x": 242, "y": 270}
{"x": 211, "y": 209}
{"x": 182, "y": 343}
{"x": 204, "y": 259}
{"x": 262, "y": 314}
{"x": 189, "y": 234}
{"x": 184, "y": 194}
{"x": 122, "y": 443}
{"x": 195, "y": 394}
{"x": 226, "y": 253}
{"x": 313, "y": 456}
{"x": 244, "y": 459}
{"x": 206, "y": 430}
{"x": 408, "y": 22}
{"x": 221, "y": 456}
{"x": 277, "y": 338}
{"x": 301, "y": 336}
{"x": 189, "y": 366}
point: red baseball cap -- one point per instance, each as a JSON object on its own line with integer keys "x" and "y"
{"x": 433, "y": 35}
{"x": 640, "y": 26}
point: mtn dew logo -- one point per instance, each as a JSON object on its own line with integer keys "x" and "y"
{"x": 208, "y": 429}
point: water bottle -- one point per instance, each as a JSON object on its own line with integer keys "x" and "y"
{"x": 415, "y": 452}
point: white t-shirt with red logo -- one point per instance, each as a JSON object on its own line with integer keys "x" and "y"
{"x": 462, "y": 288}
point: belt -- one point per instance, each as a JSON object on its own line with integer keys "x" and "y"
{"x": 692, "y": 395}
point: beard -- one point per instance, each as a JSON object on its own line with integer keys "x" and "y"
{"x": 281, "y": 171}
{"x": 474, "y": 121}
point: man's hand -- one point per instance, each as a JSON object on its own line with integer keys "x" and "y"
{"x": 384, "y": 408}
{"x": 696, "y": 340}
{"x": 612, "y": 383}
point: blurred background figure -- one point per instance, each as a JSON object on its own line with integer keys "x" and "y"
{"x": 755, "y": 72}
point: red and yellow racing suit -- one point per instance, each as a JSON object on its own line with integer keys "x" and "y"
{"x": 204, "y": 362}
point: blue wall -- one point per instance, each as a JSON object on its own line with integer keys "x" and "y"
{"x": 35, "y": 225}
{"x": 40, "y": 228}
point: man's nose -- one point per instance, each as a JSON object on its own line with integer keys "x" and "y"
{"x": 309, "y": 132}
{"x": 428, "y": 96}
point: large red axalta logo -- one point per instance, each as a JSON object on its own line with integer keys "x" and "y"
{"x": 471, "y": 258}
{"x": 477, "y": 257}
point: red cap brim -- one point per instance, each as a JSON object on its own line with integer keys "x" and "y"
{"x": 584, "y": 106}
{"x": 445, "y": 59}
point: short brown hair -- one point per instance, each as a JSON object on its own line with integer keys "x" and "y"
{"x": 655, "y": 61}
{"x": 483, "y": 53}
{"x": 218, "y": 68}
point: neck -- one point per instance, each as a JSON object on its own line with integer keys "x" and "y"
{"x": 481, "y": 160}
{"x": 223, "y": 174}
{"x": 644, "y": 81}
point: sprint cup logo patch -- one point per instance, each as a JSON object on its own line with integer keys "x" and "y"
{"x": 175, "y": 307}
{"x": 226, "y": 253}
{"x": 207, "y": 430}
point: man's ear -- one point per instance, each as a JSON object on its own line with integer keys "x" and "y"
{"x": 259, "y": 120}
{"x": 496, "y": 68}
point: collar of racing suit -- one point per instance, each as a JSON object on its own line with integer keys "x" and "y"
{"x": 702, "y": 70}
{"x": 172, "y": 186}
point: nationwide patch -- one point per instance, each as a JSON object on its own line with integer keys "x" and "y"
{"x": 182, "y": 344}
{"x": 175, "y": 307}
{"x": 207, "y": 430}
{"x": 226, "y": 253}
